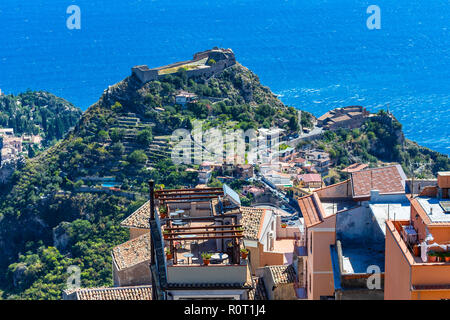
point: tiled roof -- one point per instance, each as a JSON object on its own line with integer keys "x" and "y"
{"x": 252, "y": 219}
{"x": 355, "y": 167}
{"x": 310, "y": 177}
{"x": 386, "y": 180}
{"x": 282, "y": 274}
{"x": 259, "y": 292}
{"x": 117, "y": 293}
{"x": 139, "y": 218}
{"x": 311, "y": 209}
{"x": 132, "y": 252}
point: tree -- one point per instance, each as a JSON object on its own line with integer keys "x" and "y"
{"x": 144, "y": 137}
{"x": 102, "y": 136}
{"x": 117, "y": 148}
{"x": 117, "y": 134}
{"x": 293, "y": 124}
{"x": 137, "y": 157}
{"x": 117, "y": 107}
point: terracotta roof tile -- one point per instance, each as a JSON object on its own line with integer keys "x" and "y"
{"x": 139, "y": 218}
{"x": 355, "y": 167}
{"x": 132, "y": 252}
{"x": 251, "y": 220}
{"x": 282, "y": 274}
{"x": 310, "y": 209}
{"x": 310, "y": 177}
{"x": 386, "y": 180}
{"x": 117, "y": 293}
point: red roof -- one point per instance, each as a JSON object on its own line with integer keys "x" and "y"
{"x": 312, "y": 210}
{"x": 386, "y": 180}
{"x": 355, "y": 167}
{"x": 310, "y": 177}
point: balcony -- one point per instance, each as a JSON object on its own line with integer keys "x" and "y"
{"x": 409, "y": 242}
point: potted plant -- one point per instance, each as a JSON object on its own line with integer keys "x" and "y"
{"x": 283, "y": 225}
{"x": 169, "y": 255}
{"x": 230, "y": 248}
{"x": 206, "y": 258}
{"x": 447, "y": 256}
{"x": 239, "y": 230}
{"x": 244, "y": 253}
{"x": 432, "y": 256}
{"x": 166, "y": 234}
{"x": 162, "y": 212}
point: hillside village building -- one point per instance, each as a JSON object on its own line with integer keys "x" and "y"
{"x": 347, "y": 117}
{"x": 345, "y": 231}
{"x": 184, "y": 97}
{"x": 418, "y": 247}
{"x": 186, "y": 223}
{"x": 367, "y": 226}
{"x": 320, "y": 160}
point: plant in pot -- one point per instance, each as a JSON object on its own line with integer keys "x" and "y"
{"x": 447, "y": 256}
{"x": 230, "y": 248}
{"x": 239, "y": 231}
{"x": 283, "y": 225}
{"x": 206, "y": 258}
{"x": 166, "y": 234}
{"x": 432, "y": 256}
{"x": 162, "y": 212}
{"x": 244, "y": 253}
{"x": 169, "y": 255}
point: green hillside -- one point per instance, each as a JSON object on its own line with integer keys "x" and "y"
{"x": 38, "y": 113}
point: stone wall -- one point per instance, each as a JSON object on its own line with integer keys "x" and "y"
{"x": 224, "y": 58}
{"x": 136, "y": 275}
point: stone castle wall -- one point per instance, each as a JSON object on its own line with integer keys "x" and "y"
{"x": 224, "y": 59}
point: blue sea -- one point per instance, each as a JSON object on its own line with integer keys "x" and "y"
{"x": 316, "y": 54}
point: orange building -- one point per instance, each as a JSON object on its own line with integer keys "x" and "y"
{"x": 344, "y": 233}
{"x": 418, "y": 250}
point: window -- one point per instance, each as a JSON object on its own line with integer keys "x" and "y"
{"x": 310, "y": 243}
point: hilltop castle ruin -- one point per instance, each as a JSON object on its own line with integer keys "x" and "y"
{"x": 204, "y": 64}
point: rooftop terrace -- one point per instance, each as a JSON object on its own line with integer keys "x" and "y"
{"x": 435, "y": 208}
